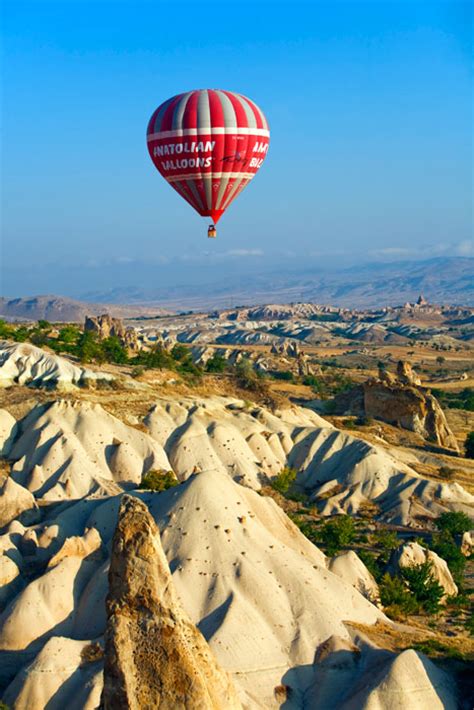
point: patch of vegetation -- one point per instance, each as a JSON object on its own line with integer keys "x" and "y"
{"x": 307, "y": 527}
{"x": 456, "y": 400}
{"x": 90, "y": 654}
{"x": 310, "y": 381}
{"x": 386, "y": 541}
{"x": 285, "y": 375}
{"x": 469, "y": 445}
{"x": 447, "y": 473}
{"x": 411, "y": 591}
{"x": 435, "y": 648}
{"x": 337, "y": 533}
{"x": 283, "y": 480}
{"x": 217, "y": 363}
{"x": 158, "y": 481}
{"x": 363, "y": 420}
{"x": 445, "y": 546}
{"x": 249, "y": 379}
{"x": 396, "y": 598}
{"x": 454, "y": 523}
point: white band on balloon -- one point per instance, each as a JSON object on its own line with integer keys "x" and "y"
{"x": 210, "y": 176}
{"x": 209, "y": 132}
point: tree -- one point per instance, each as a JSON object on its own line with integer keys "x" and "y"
{"x": 440, "y": 359}
{"x": 445, "y": 546}
{"x": 469, "y": 445}
{"x": 425, "y": 588}
{"x": 284, "y": 480}
{"x": 180, "y": 352}
{"x": 88, "y": 349}
{"x": 217, "y": 363}
{"x": 337, "y": 533}
{"x": 454, "y": 523}
{"x": 114, "y": 351}
{"x": 395, "y": 596}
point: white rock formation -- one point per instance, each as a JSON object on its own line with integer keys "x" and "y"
{"x": 25, "y": 364}
{"x": 340, "y": 472}
{"x": 224, "y": 544}
{"x": 358, "y": 676}
{"x": 16, "y": 503}
{"x": 70, "y": 449}
{"x": 350, "y": 568}
{"x": 8, "y": 431}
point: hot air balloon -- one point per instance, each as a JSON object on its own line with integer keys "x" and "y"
{"x": 208, "y": 144}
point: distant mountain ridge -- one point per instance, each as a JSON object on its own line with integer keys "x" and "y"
{"x": 66, "y": 310}
{"x": 441, "y": 280}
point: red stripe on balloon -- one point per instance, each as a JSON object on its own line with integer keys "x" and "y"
{"x": 167, "y": 120}
{"x": 190, "y": 112}
{"x": 216, "y": 110}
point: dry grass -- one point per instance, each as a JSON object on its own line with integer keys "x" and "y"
{"x": 399, "y": 637}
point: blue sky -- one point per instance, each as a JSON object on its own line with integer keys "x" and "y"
{"x": 368, "y": 105}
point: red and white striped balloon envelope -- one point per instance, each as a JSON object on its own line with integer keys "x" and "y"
{"x": 208, "y": 144}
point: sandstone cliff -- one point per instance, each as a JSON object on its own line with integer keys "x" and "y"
{"x": 154, "y": 655}
{"x": 399, "y": 400}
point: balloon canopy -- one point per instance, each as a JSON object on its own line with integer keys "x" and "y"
{"x": 208, "y": 144}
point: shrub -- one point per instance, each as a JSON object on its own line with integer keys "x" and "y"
{"x": 285, "y": 375}
{"x": 363, "y": 420}
{"x": 386, "y": 541}
{"x": 158, "y": 481}
{"x": 113, "y": 350}
{"x": 180, "y": 352}
{"x": 395, "y": 597}
{"x": 445, "y": 546}
{"x": 337, "y": 533}
{"x": 217, "y": 363}
{"x": 158, "y": 358}
{"x": 425, "y": 588}
{"x": 310, "y": 381}
{"x": 433, "y": 647}
{"x": 6, "y": 330}
{"x": 248, "y": 378}
{"x": 283, "y": 480}
{"x": 137, "y": 371}
{"x": 469, "y": 445}
{"x": 348, "y": 424}
{"x": 447, "y": 473}
{"x": 454, "y": 523}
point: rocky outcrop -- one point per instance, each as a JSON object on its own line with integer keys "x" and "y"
{"x": 467, "y": 543}
{"x": 16, "y": 503}
{"x": 287, "y": 348}
{"x": 413, "y": 554}
{"x": 350, "y": 567}
{"x": 401, "y": 401}
{"x": 408, "y": 407}
{"x": 106, "y": 326}
{"x": 154, "y": 655}
{"x": 406, "y": 375}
